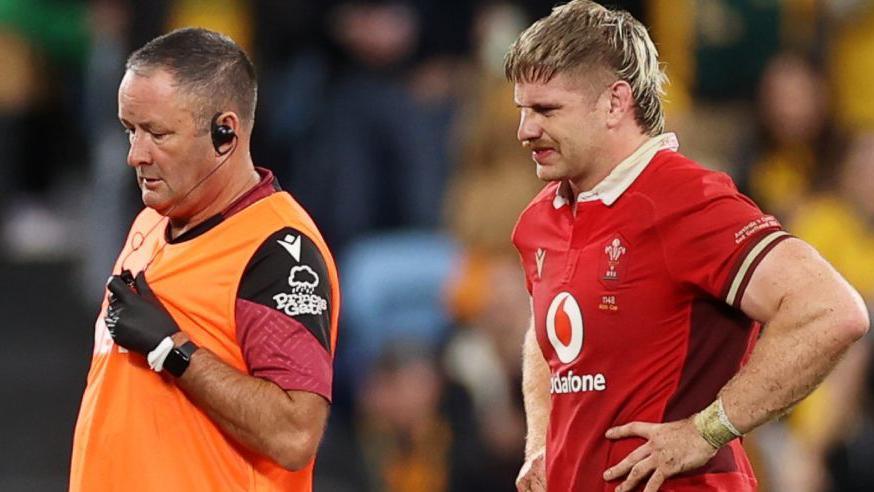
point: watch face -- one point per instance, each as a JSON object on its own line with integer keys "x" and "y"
{"x": 179, "y": 358}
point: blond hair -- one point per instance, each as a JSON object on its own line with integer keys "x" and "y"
{"x": 581, "y": 35}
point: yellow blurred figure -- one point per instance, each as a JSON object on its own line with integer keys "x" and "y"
{"x": 839, "y": 224}
{"x": 793, "y": 111}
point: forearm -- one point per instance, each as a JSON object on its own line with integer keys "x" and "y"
{"x": 254, "y": 412}
{"x": 535, "y": 392}
{"x": 779, "y": 374}
{"x": 801, "y": 344}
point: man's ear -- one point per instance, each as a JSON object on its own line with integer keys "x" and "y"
{"x": 621, "y": 102}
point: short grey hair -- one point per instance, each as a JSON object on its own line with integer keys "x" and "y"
{"x": 582, "y": 34}
{"x": 208, "y": 66}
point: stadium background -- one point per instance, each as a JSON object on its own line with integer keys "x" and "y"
{"x": 391, "y": 122}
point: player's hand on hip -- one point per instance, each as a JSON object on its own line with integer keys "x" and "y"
{"x": 671, "y": 448}
{"x": 532, "y": 476}
{"x": 135, "y": 318}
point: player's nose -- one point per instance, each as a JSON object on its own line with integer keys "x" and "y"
{"x": 139, "y": 153}
{"x": 528, "y": 129}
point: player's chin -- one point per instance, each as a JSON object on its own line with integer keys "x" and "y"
{"x": 549, "y": 173}
{"x": 156, "y": 201}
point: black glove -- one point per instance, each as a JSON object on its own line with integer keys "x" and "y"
{"x": 135, "y": 318}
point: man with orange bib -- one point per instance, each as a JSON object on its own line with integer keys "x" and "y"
{"x": 213, "y": 350}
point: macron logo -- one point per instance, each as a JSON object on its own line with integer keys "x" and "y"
{"x": 292, "y": 245}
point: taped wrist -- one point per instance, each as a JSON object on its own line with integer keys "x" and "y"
{"x": 713, "y": 425}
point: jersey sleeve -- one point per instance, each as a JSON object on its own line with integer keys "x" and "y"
{"x": 283, "y": 314}
{"x": 714, "y": 237}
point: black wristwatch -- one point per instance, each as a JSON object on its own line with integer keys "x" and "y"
{"x": 178, "y": 359}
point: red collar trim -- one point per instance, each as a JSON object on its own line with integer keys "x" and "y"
{"x": 266, "y": 187}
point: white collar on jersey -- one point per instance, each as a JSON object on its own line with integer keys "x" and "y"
{"x": 620, "y": 178}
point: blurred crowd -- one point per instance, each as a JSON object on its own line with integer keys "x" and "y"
{"x": 392, "y": 123}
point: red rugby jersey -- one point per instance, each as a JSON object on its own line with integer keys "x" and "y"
{"x": 636, "y": 306}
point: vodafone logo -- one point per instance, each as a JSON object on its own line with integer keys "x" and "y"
{"x": 564, "y": 327}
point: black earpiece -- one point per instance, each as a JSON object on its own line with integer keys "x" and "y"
{"x": 221, "y": 135}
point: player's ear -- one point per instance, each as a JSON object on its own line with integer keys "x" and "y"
{"x": 621, "y": 101}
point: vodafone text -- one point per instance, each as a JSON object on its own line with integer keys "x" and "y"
{"x": 572, "y": 383}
